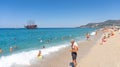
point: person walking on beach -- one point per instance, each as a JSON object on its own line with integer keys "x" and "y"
{"x": 74, "y": 50}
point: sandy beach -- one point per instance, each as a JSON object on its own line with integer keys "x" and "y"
{"x": 59, "y": 33}
{"x": 62, "y": 58}
{"x": 106, "y": 55}
{"x": 90, "y": 54}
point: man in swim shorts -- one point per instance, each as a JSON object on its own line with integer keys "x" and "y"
{"x": 74, "y": 50}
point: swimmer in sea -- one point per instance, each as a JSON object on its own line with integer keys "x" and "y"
{"x": 11, "y": 49}
{"x": 43, "y": 47}
{"x": 41, "y": 41}
{"x": 15, "y": 47}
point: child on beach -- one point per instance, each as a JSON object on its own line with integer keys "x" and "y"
{"x": 39, "y": 55}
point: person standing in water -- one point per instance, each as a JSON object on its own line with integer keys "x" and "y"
{"x": 39, "y": 55}
{"x": 0, "y": 50}
{"x": 88, "y": 36}
{"x": 11, "y": 49}
{"x": 74, "y": 50}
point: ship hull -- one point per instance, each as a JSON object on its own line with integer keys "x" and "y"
{"x": 31, "y": 26}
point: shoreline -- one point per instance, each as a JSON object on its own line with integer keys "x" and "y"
{"x": 91, "y": 53}
{"x": 64, "y": 56}
{"x": 18, "y": 55}
{"x": 47, "y": 56}
{"x": 36, "y": 62}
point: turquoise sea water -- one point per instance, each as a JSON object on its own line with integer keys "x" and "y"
{"x": 31, "y": 39}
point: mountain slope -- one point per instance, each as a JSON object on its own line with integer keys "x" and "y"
{"x": 102, "y": 24}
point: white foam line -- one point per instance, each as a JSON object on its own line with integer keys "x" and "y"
{"x": 24, "y": 58}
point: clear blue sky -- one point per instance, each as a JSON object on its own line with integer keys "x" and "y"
{"x": 57, "y": 13}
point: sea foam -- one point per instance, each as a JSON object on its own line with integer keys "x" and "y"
{"x": 93, "y": 33}
{"x": 24, "y": 58}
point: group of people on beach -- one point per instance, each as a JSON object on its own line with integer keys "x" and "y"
{"x": 108, "y": 32}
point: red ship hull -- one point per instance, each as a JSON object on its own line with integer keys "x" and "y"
{"x": 31, "y": 26}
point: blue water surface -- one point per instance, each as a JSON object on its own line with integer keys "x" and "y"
{"x": 26, "y": 39}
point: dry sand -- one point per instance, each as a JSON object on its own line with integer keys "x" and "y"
{"x": 106, "y": 55}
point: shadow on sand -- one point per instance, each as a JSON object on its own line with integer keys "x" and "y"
{"x": 71, "y": 64}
